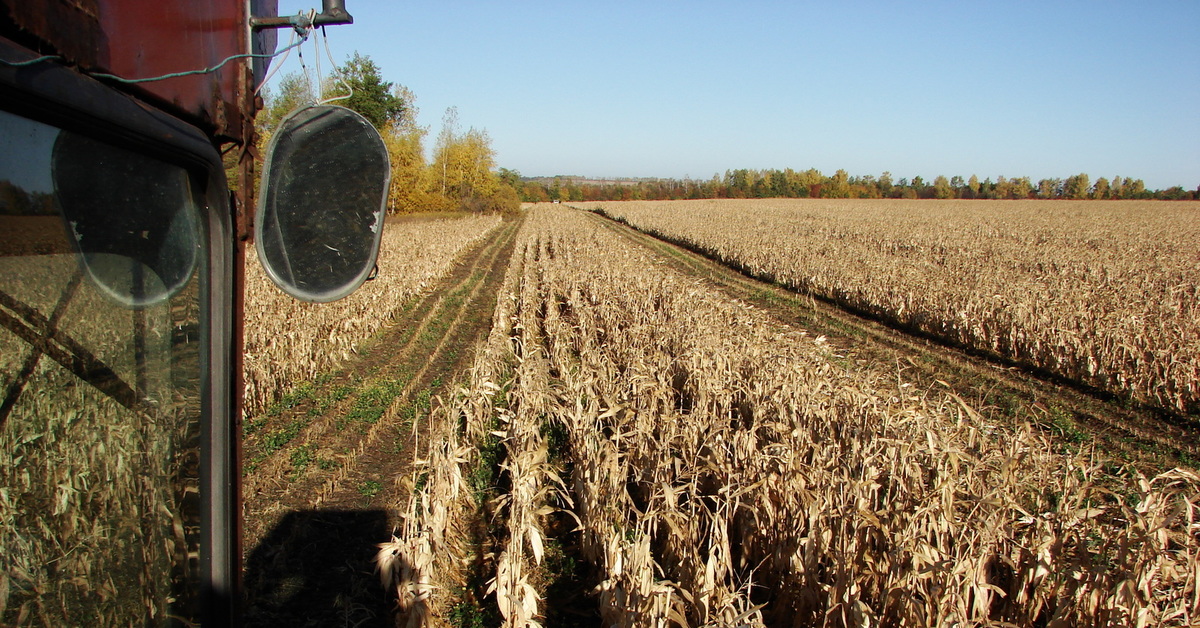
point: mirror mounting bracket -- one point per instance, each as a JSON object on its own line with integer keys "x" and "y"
{"x": 332, "y": 12}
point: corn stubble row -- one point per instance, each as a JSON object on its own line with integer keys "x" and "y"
{"x": 289, "y": 341}
{"x": 1107, "y": 294}
{"x": 729, "y": 470}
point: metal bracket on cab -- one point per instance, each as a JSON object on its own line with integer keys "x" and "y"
{"x": 332, "y": 12}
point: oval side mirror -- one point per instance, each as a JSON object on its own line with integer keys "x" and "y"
{"x": 321, "y": 212}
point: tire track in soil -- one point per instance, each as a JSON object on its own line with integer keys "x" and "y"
{"x": 315, "y": 508}
{"x": 1141, "y": 436}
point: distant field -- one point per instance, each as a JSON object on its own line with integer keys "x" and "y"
{"x": 1105, "y": 293}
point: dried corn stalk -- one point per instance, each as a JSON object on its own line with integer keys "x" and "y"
{"x": 1105, "y": 293}
{"x": 729, "y": 470}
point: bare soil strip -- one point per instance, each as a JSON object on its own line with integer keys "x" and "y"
{"x": 322, "y": 467}
{"x": 1141, "y": 436}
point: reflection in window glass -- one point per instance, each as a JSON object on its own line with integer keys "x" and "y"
{"x": 99, "y": 395}
{"x": 130, "y": 217}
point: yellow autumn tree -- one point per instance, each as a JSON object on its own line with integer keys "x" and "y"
{"x": 461, "y": 176}
{"x": 462, "y": 173}
{"x": 409, "y": 190}
{"x": 405, "y": 142}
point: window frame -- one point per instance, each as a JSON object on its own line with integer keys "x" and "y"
{"x": 53, "y": 94}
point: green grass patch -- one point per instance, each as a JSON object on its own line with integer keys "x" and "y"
{"x": 302, "y": 457}
{"x": 1065, "y": 426}
{"x": 556, "y": 437}
{"x": 253, "y": 424}
{"x": 331, "y": 398}
{"x": 293, "y": 398}
{"x": 421, "y": 404}
{"x": 484, "y": 474}
{"x": 422, "y": 482}
{"x": 370, "y": 488}
{"x": 272, "y": 441}
{"x": 372, "y": 402}
{"x": 469, "y": 615}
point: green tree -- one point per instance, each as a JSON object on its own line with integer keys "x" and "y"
{"x": 295, "y": 91}
{"x": 958, "y": 184}
{"x": 1076, "y": 187}
{"x": 360, "y": 82}
{"x": 509, "y": 177}
{"x": 1135, "y": 189}
{"x": 941, "y": 187}
{"x": 919, "y": 187}
{"x": 1175, "y": 193}
{"x": 1049, "y": 188}
{"x": 987, "y": 189}
{"x": 1001, "y": 189}
{"x": 865, "y": 187}
{"x": 1020, "y": 187}
{"x": 781, "y": 183}
{"x": 885, "y": 184}
{"x": 1100, "y": 189}
{"x": 738, "y": 183}
{"x": 1116, "y": 188}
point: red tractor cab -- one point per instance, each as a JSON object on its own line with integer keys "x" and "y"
{"x": 121, "y": 249}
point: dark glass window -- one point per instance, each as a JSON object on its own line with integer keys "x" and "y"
{"x": 100, "y": 382}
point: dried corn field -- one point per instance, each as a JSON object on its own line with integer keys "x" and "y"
{"x": 721, "y": 468}
{"x": 289, "y": 341}
{"x": 1106, "y": 294}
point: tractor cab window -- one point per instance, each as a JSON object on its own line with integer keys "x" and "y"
{"x": 101, "y": 371}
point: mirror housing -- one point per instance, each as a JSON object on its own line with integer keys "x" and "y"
{"x": 321, "y": 213}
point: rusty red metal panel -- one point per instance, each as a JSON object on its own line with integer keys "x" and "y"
{"x": 158, "y": 37}
{"x": 71, "y": 26}
{"x": 148, "y": 38}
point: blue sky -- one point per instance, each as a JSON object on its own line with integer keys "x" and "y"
{"x": 674, "y": 89}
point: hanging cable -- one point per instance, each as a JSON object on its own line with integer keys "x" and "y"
{"x": 340, "y": 76}
{"x": 303, "y": 33}
{"x": 308, "y": 74}
{"x": 23, "y": 64}
{"x": 317, "y": 62}
{"x": 119, "y": 79}
{"x": 214, "y": 68}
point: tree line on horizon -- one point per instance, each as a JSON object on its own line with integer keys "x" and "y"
{"x": 462, "y": 173}
{"x": 811, "y": 183}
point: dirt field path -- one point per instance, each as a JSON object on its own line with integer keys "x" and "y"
{"x": 1141, "y": 436}
{"x": 321, "y": 468}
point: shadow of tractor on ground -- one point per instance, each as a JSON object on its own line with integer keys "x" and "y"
{"x": 315, "y": 568}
